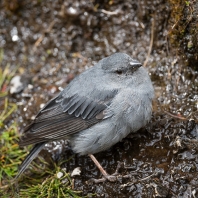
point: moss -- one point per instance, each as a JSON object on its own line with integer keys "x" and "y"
{"x": 183, "y": 32}
{"x": 44, "y": 182}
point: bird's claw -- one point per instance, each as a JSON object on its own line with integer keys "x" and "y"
{"x": 111, "y": 178}
{"x": 95, "y": 181}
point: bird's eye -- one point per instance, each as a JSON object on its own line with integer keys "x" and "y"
{"x": 119, "y": 71}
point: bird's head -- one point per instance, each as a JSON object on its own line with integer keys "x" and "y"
{"x": 120, "y": 64}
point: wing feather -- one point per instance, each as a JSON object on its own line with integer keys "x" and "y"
{"x": 66, "y": 115}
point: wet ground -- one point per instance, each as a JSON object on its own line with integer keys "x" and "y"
{"x": 52, "y": 42}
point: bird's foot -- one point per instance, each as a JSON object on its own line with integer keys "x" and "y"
{"x": 111, "y": 178}
{"x": 106, "y": 177}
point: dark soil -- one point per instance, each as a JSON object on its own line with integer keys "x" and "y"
{"x": 52, "y": 42}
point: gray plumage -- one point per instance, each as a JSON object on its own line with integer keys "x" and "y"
{"x": 96, "y": 110}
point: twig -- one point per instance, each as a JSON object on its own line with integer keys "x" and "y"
{"x": 72, "y": 184}
{"x": 140, "y": 180}
{"x": 175, "y": 116}
{"x": 151, "y": 43}
{"x": 39, "y": 40}
{"x": 110, "y": 13}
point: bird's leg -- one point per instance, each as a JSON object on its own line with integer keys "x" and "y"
{"x": 111, "y": 178}
{"x": 98, "y": 165}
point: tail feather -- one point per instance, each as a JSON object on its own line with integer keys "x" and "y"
{"x": 31, "y": 156}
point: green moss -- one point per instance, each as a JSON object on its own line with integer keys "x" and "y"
{"x": 183, "y": 29}
{"x": 44, "y": 182}
{"x": 49, "y": 186}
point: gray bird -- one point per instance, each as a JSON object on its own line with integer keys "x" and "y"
{"x": 96, "y": 110}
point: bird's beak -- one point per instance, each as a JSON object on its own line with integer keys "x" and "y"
{"x": 135, "y": 64}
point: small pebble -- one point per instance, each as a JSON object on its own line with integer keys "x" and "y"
{"x": 76, "y": 171}
{"x": 59, "y": 175}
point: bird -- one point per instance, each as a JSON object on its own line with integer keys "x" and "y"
{"x": 96, "y": 110}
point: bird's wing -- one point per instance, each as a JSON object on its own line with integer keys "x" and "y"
{"x": 67, "y": 114}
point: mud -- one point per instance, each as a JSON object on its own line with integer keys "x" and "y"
{"x": 52, "y": 42}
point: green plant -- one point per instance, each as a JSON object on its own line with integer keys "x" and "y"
{"x": 5, "y": 76}
{"x": 44, "y": 182}
{"x": 51, "y": 186}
